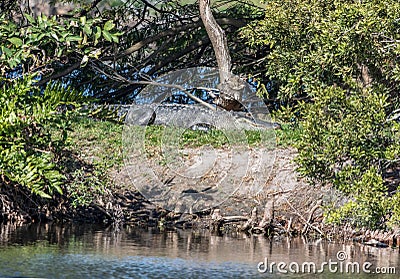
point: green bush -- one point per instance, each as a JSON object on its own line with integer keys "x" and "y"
{"x": 369, "y": 203}
{"x": 348, "y": 142}
{"x": 33, "y": 130}
{"x": 34, "y": 42}
{"x": 338, "y": 62}
{"x": 328, "y": 42}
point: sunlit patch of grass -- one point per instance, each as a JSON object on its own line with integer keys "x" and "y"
{"x": 194, "y": 138}
{"x": 99, "y": 142}
{"x": 289, "y": 135}
{"x": 187, "y": 138}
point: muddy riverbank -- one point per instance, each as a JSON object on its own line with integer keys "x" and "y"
{"x": 287, "y": 206}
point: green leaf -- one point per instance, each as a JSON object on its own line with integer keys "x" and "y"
{"x": 107, "y": 35}
{"x": 97, "y": 35}
{"x": 15, "y": 41}
{"x": 7, "y": 51}
{"x": 98, "y": 32}
{"x": 43, "y": 194}
{"x": 54, "y": 35}
{"x": 87, "y": 30}
{"x": 115, "y": 38}
{"x": 73, "y": 38}
{"x": 30, "y": 18}
{"x": 83, "y": 20}
{"x": 59, "y": 52}
{"x": 58, "y": 189}
{"x": 109, "y": 25}
{"x": 84, "y": 61}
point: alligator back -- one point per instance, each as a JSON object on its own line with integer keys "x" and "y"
{"x": 194, "y": 117}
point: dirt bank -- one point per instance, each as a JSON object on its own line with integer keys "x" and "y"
{"x": 288, "y": 205}
{"x": 286, "y": 200}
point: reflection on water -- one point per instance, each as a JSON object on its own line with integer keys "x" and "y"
{"x": 95, "y": 252}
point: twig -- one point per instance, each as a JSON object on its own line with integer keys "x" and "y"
{"x": 233, "y": 219}
{"x": 279, "y": 192}
{"x": 174, "y": 31}
{"x": 289, "y": 226}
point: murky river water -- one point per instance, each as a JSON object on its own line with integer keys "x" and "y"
{"x": 92, "y": 252}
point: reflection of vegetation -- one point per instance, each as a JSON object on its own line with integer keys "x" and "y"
{"x": 8, "y": 254}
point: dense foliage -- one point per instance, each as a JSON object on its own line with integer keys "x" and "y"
{"x": 84, "y": 49}
{"x": 337, "y": 61}
{"x": 33, "y": 127}
{"x": 33, "y": 44}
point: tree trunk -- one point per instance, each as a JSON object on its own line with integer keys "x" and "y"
{"x": 230, "y": 85}
{"x": 218, "y": 40}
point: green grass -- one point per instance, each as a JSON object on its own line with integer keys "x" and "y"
{"x": 95, "y": 149}
{"x": 289, "y": 135}
{"x": 98, "y": 142}
{"x": 216, "y": 138}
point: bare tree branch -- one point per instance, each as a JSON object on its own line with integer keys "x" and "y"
{"x": 63, "y": 73}
{"x": 155, "y": 83}
{"x": 164, "y": 62}
{"x": 161, "y": 11}
{"x": 173, "y": 31}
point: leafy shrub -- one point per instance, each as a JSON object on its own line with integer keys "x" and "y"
{"x": 348, "y": 142}
{"x": 328, "y": 42}
{"x": 33, "y": 129}
{"x": 32, "y": 43}
{"x": 340, "y": 58}
{"x": 368, "y": 205}
{"x": 84, "y": 189}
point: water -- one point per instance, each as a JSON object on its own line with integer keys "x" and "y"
{"x": 93, "y": 252}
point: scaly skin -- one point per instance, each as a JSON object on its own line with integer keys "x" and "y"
{"x": 192, "y": 116}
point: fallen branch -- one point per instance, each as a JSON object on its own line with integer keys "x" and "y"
{"x": 251, "y": 221}
{"x": 234, "y": 219}
{"x": 268, "y": 214}
{"x": 304, "y": 219}
{"x": 318, "y": 205}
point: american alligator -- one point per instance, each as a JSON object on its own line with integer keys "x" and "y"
{"x": 193, "y": 116}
